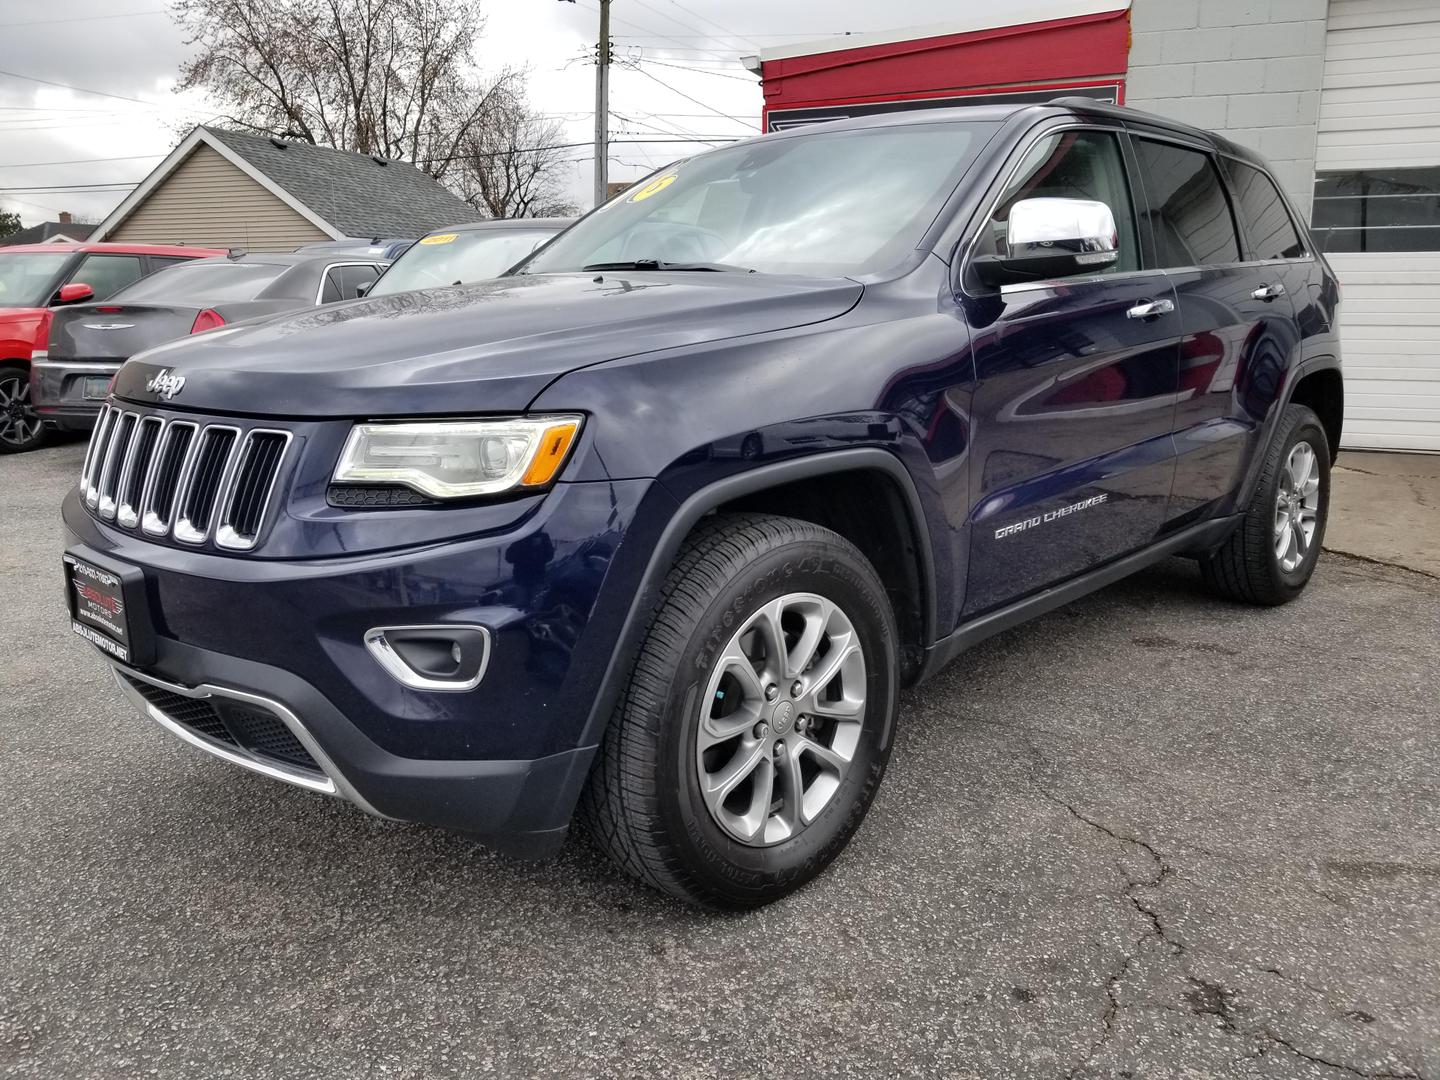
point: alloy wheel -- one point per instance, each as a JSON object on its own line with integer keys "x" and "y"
{"x": 781, "y": 719}
{"x": 1297, "y": 506}
{"x": 19, "y": 424}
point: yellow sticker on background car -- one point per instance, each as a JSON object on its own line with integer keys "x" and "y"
{"x": 440, "y": 238}
{"x": 654, "y": 187}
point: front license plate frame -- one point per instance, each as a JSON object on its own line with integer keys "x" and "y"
{"x": 107, "y": 602}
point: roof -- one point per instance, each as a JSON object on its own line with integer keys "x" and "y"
{"x": 980, "y": 17}
{"x": 491, "y": 224}
{"x": 340, "y": 193}
{"x": 46, "y": 230}
{"x": 115, "y": 249}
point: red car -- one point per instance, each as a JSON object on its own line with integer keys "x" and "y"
{"x": 35, "y": 277}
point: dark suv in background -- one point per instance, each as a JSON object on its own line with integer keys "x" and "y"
{"x": 658, "y": 526}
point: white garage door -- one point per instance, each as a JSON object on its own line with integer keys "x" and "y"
{"x": 1377, "y": 213}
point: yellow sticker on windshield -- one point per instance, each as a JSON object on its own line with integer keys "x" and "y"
{"x": 439, "y": 238}
{"x": 654, "y": 187}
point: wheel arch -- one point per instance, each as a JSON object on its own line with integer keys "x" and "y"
{"x": 774, "y": 489}
{"x": 1322, "y": 391}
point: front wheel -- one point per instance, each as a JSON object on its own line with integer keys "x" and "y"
{"x": 21, "y": 428}
{"x": 1270, "y": 556}
{"x": 757, "y": 721}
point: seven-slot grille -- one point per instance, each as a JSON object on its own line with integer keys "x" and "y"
{"x": 173, "y": 477}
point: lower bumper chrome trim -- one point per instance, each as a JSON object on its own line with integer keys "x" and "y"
{"x": 332, "y": 783}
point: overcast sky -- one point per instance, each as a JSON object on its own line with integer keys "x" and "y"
{"x": 679, "y": 71}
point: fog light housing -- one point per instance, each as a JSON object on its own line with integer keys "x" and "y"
{"x": 440, "y": 657}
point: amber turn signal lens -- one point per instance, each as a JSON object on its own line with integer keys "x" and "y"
{"x": 554, "y": 447}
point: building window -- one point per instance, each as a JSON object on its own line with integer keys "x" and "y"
{"x": 1378, "y": 210}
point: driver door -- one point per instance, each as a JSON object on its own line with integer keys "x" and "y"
{"x": 1073, "y": 456}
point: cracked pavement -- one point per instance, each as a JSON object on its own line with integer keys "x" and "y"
{"x": 1152, "y": 835}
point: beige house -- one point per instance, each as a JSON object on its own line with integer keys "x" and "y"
{"x": 222, "y": 188}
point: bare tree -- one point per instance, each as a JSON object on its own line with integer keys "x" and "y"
{"x": 388, "y": 77}
{"x": 509, "y": 166}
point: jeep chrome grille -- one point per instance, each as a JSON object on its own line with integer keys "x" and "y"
{"x": 178, "y": 478}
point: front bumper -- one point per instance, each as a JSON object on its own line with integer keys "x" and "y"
{"x": 58, "y": 391}
{"x": 505, "y": 760}
{"x": 520, "y": 807}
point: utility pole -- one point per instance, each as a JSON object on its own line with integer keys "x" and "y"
{"x": 602, "y": 105}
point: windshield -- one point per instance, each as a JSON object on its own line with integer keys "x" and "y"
{"x": 825, "y": 202}
{"x": 459, "y": 257}
{"x": 25, "y": 277}
{"x": 203, "y": 284}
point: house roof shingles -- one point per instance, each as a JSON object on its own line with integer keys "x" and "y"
{"x": 39, "y": 234}
{"x": 353, "y": 192}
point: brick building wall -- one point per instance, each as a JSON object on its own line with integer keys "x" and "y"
{"x": 1248, "y": 69}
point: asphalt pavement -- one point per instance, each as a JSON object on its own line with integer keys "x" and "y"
{"x": 1151, "y": 835}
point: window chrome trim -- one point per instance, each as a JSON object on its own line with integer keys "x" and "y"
{"x": 334, "y": 782}
{"x": 379, "y": 269}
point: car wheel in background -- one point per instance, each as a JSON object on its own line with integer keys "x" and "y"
{"x": 21, "y": 428}
{"x": 1270, "y": 556}
{"x": 757, "y": 721}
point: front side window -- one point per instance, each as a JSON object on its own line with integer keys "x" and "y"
{"x": 343, "y": 282}
{"x": 829, "y": 203}
{"x": 1378, "y": 210}
{"x": 459, "y": 258}
{"x": 107, "y": 274}
{"x": 26, "y": 277}
{"x": 1189, "y": 212}
{"x": 1071, "y": 165}
{"x": 1267, "y": 223}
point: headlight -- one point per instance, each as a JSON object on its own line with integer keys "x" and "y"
{"x": 459, "y": 459}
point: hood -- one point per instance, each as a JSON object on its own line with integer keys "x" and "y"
{"x": 487, "y": 347}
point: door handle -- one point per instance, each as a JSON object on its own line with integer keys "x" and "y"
{"x": 1268, "y": 292}
{"x": 1150, "y": 309}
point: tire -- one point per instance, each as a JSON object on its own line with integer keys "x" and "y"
{"x": 20, "y": 427}
{"x": 644, "y": 802}
{"x": 1251, "y": 567}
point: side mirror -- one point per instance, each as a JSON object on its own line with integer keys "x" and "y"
{"x": 363, "y": 288}
{"x": 75, "y": 292}
{"x": 1050, "y": 238}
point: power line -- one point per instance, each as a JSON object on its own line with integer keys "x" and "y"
{"x": 81, "y": 161}
{"x": 77, "y": 89}
{"x": 88, "y": 18}
{"x": 687, "y": 97}
{"x": 715, "y": 24}
{"x": 701, "y": 71}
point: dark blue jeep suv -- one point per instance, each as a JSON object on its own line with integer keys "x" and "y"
{"x": 653, "y": 529}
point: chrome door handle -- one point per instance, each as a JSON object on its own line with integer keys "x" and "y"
{"x": 1150, "y": 309}
{"x": 1268, "y": 292}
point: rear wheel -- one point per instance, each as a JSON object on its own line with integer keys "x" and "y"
{"x": 757, "y": 721}
{"x": 21, "y": 428}
{"x": 1270, "y": 556}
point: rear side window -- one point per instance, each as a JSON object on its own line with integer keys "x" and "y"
{"x": 1189, "y": 213}
{"x": 204, "y": 284}
{"x": 1071, "y": 165}
{"x": 343, "y": 282}
{"x": 107, "y": 274}
{"x": 1268, "y": 225}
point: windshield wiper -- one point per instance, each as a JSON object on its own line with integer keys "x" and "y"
{"x": 657, "y": 264}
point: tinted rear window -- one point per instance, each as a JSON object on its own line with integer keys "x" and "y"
{"x": 1189, "y": 213}
{"x": 1267, "y": 223}
{"x": 203, "y": 284}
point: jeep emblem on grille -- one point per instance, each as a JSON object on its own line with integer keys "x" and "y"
{"x": 167, "y": 384}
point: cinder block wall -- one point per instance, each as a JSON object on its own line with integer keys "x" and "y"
{"x": 1248, "y": 69}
